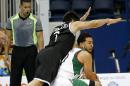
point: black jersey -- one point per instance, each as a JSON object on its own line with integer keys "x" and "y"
{"x": 62, "y": 39}
{"x": 58, "y": 34}
{"x": 49, "y": 59}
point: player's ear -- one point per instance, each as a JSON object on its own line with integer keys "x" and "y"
{"x": 81, "y": 45}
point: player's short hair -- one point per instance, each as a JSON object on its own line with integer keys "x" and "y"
{"x": 82, "y": 37}
{"x": 69, "y": 16}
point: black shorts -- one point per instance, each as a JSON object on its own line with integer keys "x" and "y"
{"x": 49, "y": 59}
{"x": 47, "y": 64}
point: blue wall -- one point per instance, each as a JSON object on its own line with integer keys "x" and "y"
{"x": 110, "y": 37}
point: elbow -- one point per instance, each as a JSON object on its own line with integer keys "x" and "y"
{"x": 96, "y": 25}
{"x": 91, "y": 76}
{"x": 88, "y": 75}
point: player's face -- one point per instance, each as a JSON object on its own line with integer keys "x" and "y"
{"x": 25, "y": 8}
{"x": 88, "y": 44}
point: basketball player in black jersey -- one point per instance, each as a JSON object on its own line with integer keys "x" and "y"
{"x": 61, "y": 42}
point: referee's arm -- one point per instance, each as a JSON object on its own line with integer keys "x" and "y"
{"x": 40, "y": 40}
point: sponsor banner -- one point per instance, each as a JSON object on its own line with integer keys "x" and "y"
{"x": 115, "y": 79}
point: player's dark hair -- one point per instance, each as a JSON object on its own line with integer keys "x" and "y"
{"x": 82, "y": 37}
{"x": 69, "y": 16}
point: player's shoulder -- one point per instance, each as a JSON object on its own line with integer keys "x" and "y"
{"x": 84, "y": 53}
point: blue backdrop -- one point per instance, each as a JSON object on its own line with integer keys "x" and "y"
{"x": 106, "y": 38}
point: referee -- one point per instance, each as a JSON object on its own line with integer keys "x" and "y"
{"x": 25, "y": 30}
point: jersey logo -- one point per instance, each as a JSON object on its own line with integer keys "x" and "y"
{"x": 56, "y": 35}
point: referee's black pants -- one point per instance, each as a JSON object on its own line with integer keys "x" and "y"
{"x": 22, "y": 58}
